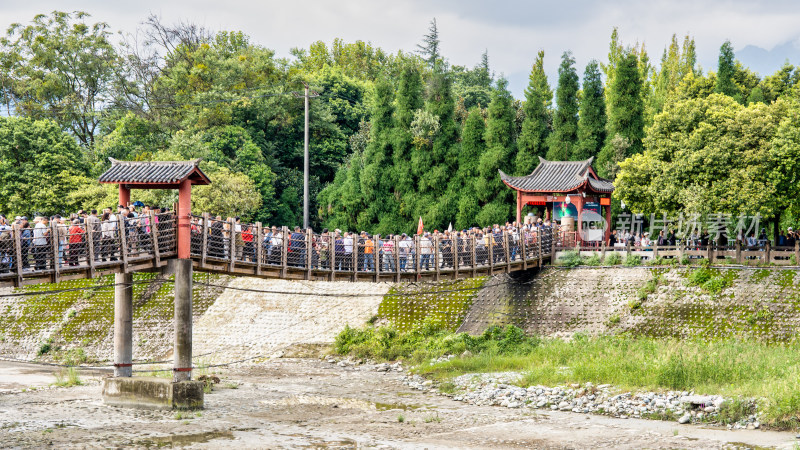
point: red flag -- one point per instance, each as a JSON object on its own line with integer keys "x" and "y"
{"x": 420, "y": 228}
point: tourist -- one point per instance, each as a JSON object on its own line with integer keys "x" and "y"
{"x": 41, "y": 232}
{"x": 76, "y": 242}
{"x": 369, "y": 252}
{"x": 348, "y": 251}
{"x": 425, "y": 251}
{"x": 26, "y": 235}
{"x": 249, "y": 250}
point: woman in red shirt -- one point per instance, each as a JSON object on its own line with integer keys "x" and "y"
{"x": 76, "y": 242}
{"x": 249, "y": 248}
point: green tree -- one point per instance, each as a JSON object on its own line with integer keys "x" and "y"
{"x": 565, "y": 119}
{"x": 592, "y": 122}
{"x": 429, "y": 49}
{"x": 39, "y": 166}
{"x": 493, "y": 195}
{"x": 60, "y": 68}
{"x": 726, "y": 70}
{"x": 625, "y": 110}
{"x": 710, "y": 155}
{"x": 532, "y": 141}
{"x": 230, "y": 194}
{"x": 472, "y": 147}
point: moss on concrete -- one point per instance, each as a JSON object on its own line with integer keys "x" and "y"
{"x": 447, "y": 301}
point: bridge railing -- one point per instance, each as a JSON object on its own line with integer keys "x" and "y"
{"x": 84, "y": 249}
{"x": 736, "y": 252}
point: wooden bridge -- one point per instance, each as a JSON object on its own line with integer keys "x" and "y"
{"x": 146, "y": 243}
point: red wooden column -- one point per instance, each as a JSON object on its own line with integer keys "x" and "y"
{"x": 579, "y": 206}
{"x": 184, "y": 219}
{"x": 519, "y": 207}
{"x": 124, "y": 195}
{"x": 608, "y": 223}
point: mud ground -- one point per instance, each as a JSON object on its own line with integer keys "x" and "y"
{"x": 309, "y": 403}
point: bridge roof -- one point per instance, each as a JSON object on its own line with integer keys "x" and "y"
{"x": 559, "y": 176}
{"x": 154, "y": 172}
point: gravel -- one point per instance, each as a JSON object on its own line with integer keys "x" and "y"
{"x": 499, "y": 389}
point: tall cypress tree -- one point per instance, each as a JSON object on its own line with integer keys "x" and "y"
{"x": 726, "y": 71}
{"x": 435, "y": 162}
{"x": 472, "y": 147}
{"x": 492, "y": 193}
{"x": 536, "y": 126}
{"x": 565, "y": 120}
{"x": 376, "y": 187}
{"x": 409, "y": 100}
{"x": 625, "y": 111}
{"x": 592, "y": 122}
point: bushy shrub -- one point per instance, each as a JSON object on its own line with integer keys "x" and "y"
{"x": 570, "y": 258}
{"x": 593, "y": 260}
{"x": 633, "y": 260}
{"x": 612, "y": 259}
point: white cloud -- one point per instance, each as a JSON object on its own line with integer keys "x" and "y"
{"x": 512, "y": 31}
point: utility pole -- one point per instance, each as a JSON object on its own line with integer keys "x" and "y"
{"x": 305, "y": 164}
{"x": 306, "y": 97}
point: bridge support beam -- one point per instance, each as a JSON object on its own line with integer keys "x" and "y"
{"x": 123, "y": 324}
{"x": 182, "y": 354}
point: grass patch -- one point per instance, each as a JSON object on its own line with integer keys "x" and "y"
{"x": 632, "y": 260}
{"x": 570, "y": 258}
{"x": 768, "y": 373}
{"x": 593, "y": 260}
{"x": 709, "y": 280}
{"x": 68, "y": 377}
{"x": 613, "y": 259}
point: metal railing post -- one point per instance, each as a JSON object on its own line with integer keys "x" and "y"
{"x": 154, "y": 236}
{"x": 259, "y": 247}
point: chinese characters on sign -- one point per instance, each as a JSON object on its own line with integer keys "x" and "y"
{"x": 715, "y": 225}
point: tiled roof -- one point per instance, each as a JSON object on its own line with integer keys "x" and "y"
{"x": 601, "y": 185}
{"x": 157, "y": 172}
{"x": 557, "y": 176}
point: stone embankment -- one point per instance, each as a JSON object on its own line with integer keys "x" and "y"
{"x": 256, "y": 317}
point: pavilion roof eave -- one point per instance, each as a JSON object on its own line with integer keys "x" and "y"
{"x": 584, "y": 184}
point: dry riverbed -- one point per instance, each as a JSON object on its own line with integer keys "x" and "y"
{"x": 310, "y": 403}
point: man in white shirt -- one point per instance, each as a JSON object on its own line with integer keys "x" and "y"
{"x": 40, "y": 233}
{"x": 348, "y": 251}
{"x": 406, "y": 245}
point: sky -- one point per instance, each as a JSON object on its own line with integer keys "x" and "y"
{"x": 763, "y": 33}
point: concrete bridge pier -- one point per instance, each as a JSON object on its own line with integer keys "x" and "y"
{"x": 123, "y": 324}
{"x": 182, "y": 355}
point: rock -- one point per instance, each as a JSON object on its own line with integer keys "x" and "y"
{"x": 466, "y": 354}
{"x": 756, "y": 425}
{"x": 710, "y": 409}
{"x": 686, "y": 418}
{"x": 697, "y": 400}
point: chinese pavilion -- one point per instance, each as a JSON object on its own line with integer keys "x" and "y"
{"x": 566, "y": 189}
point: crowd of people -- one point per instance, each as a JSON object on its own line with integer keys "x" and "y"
{"x": 698, "y": 239}
{"x": 363, "y": 251}
{"x": 83, "y": 231}
{"x": 66, "y": 239}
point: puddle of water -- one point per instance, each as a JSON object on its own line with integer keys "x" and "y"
{"x": 339, "y": 402}
{"x": 743, "y": 446}
{"x": 182, "y": 440}
{"x": 312, "y": 442}
{"x": 391, "y": 406}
